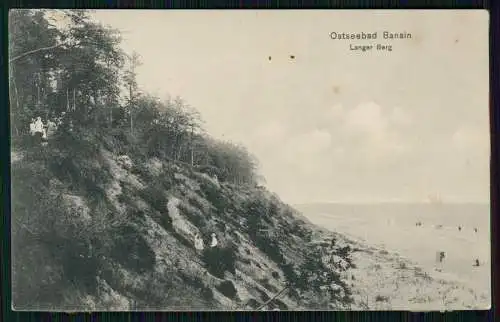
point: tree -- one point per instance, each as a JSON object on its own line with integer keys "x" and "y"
{"x": 130, "y": 79}
{"x": 54, "y": 70}
{"x": 29, "y": 69}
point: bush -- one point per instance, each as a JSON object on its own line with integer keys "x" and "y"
{"x": 269, "y": 247}
{"x": 50, "y": 253}
{"x": 155, "y": 196}
{"x": 227, "y": 288}
{"x": 197, "y": 283}
{"x": 253, "y": 303}
{"x": 381, "y": 298}
{"x": 219, "y": 260}
{"x": 279, "y": 304}
{"x": 214, "y": 196}
{"x": 263, "y": 295}
{"x": 131, "y": 250}
{"x": 141, "y": 170}
{"x": 207, "y": 293}
{"x": 194, "y": 216}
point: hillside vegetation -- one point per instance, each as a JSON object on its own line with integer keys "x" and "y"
{"x": 104, "y": 215}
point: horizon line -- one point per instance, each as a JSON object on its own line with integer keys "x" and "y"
{"x": 391, "y": 202}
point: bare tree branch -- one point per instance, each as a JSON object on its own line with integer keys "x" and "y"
{"x": 34, "y": 51}
{"x": 49, "y": 48}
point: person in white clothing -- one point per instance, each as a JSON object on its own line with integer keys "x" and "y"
{"x": 38, "y": 126}
{"x": 32, "y": 127}
{"x": 214, "y": 242}
{"x": 198, "y": 242}
{"x": 37, "y": 130}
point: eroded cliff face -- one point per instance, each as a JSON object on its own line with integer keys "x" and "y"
{"x": 128, "y": 242}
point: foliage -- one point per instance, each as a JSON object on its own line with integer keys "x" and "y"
{"x": 218, "y": 260}
{"x": 131, "y": 250}
{"x": 227, "y": 288}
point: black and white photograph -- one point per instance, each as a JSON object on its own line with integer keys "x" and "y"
{"x": 249, "y": 160}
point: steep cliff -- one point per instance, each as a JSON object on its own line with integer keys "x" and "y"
{"x": 113, "y": 232}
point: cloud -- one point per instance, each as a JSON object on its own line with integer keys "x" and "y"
{"x": 366, "y": 118}
{"x": 366, "y": 136}
{"x": 399, "y": 116}
{"x": 308, "y": 151}
{"x": 373, "y": 133}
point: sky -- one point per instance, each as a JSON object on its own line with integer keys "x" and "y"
{"x": 332, "y": 124}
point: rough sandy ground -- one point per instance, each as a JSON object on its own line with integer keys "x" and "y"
{"x": 396, "y": 267}
{"x": 387, "y": 281}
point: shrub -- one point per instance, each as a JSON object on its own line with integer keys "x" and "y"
{"x": 289, "y": 272}
{"x": 193, "y": 215}
{"x": 381, "y": 298}
{"x": 141, "y": 170}
{"x": 253, "y": 303}
{"x": 263, "y": 295}
{"x": 269, "y": 247}
{"x": 207, "y": 293}
{"x": 227, "y": 288}
{"x": 279, "y": 304}
{"x": 219, "y": 260}
{"x": 197, "y": 283}
{"x": 213, "y": 195}
{"x": 131, "y": 250}
{"x": 50, "y": 252}
{"x": 155, "y": 196}
{"x": 312, "y": 275}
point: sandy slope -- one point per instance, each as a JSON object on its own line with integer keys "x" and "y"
{"x": 384, "y": 279}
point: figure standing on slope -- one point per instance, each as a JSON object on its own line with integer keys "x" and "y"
{"x": 214, "y": 242}
{"x": 51, "y": 128}
{"x": 198, "y": 242}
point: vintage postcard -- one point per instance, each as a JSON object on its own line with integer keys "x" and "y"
{"x": 249, "y": 160}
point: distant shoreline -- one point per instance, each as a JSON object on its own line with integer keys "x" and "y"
{"x": 316, "y": 204}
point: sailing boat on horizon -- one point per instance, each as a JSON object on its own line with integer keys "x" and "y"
{"x": 435, "y": 199}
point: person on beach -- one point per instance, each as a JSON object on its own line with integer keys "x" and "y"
{"x": 441, "y": 256}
